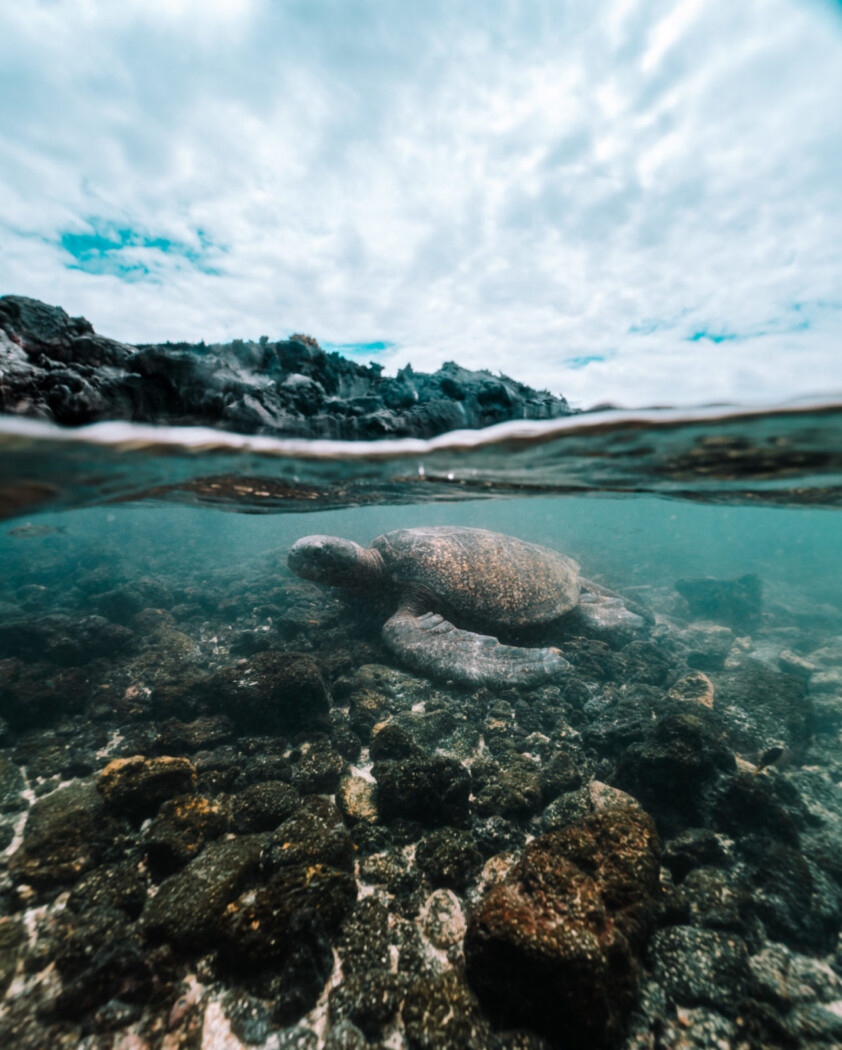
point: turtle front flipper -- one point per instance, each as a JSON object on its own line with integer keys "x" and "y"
{"x": 430, "y": 644}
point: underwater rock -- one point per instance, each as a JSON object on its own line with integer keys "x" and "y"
{"x": 272, "y": 692}
{"x": 64, "y": 640}
{"x": 672, "y": 771}
{"x": 759, "y": 706}
{"x": 56, "y": 367}
{"x": 735, "y": 603}
{"x": 345, "y": 1036}
{"x": 263, "y": 806}
{"x": 65, "y": 834}
{"x": 442, "y": 919}
{"x": 789, "y": 896}
{"x": 199, "y": 735}
{"x": 449, "y": 858}
{"x": 181, "y": 830}
{"x": 442, "y": 1013}
{"x": 319, "y": 769}
{"x": 554, "y": 945}
{"x": 314, "y": 834}
{"x": 254, "y": 930}
{"x": 369, "y": 999}
{"x": 137, "y": 786}
{"x": 357, "y": 799}
{"x": 121, "y": 887}
{"x": 693, "y": 848}
{"x": 575, "y": 805}
{"x": 12, "y": 939}
{"x": 694, "y": 687}
{"x": 713, "y": 900}
{"x": 707, "y": 645}
{"x": 512, "y": 788}
{"x": 295, "y": 981}
{"x": 432, "y": 790}
{"x": 363, "y": 942}
{"x": 11, "y": 786}
{"x": 700, "y": 967}
{"x": 187, "y": 907}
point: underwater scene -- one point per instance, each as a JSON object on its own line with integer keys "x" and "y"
{"x": 521, "y": 739}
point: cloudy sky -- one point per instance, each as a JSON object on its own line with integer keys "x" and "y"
{"x": 637, "y": 201}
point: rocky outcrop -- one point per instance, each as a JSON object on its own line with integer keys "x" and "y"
{"x": 57, "y": 368}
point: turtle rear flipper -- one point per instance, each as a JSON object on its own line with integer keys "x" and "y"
{"x": 430, "y": 644}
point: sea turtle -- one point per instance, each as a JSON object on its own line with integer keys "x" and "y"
{"x": 479, "y": 579}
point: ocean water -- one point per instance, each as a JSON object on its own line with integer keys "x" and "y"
{"x": 144, "y": 580}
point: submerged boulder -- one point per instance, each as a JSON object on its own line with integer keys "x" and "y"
{"x": 554, "y": 946}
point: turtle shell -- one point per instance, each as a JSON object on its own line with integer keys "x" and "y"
{"x": 483, "y": 576}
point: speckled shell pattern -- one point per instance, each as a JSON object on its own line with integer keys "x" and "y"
{"x": 494, "y": 579}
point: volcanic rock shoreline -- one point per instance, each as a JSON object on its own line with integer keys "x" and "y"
{"x": 57, "y": 368}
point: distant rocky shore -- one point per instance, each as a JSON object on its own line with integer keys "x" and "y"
{"x": 57, "y": 368}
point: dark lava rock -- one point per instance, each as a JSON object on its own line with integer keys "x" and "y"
{"x": 263, "y": 806}
{"x": 254, "y": 930}
{"x": 369, "y": 999}
{"x": 746, "y": 804}
{"x": 12, "y": 939}
{"x": 313, "y": 834}
{"x": 249, "y": 1017}
{"x": 345, "y": 1036}
{"x": 673, "y": 768}
{"x": 319, "y": 769}
{"x": 299, "y": 978}
{"x": 138, "y": 785}
{"x": 736, "y": 603}
{"x": 554, "y": 946}
{"x": 63, "y": 640}
{"x": 56, "y": 367}
{"x": 786, "y": 894}
{"x": 122, "y": 887}
{"x": 187, "y": 907}
{"x": 34, "y": 695}
{"x": 100, "y": 960}
{"x": 202, "y": 734}
{"x": 497, "y": 835}
{"x": 700, "y": 967}
{"x": 391, "y": 740}
{"x": 693, "y": 848}
{"x": 181, "y": 830}
{"x": 715, "y": 901}
{"x": 760, "y": 707}
{"x": 11, "y": 785}
{"x": 66, "y": 833}
{"x": 432, "y": 791}
{"x": 442, "y": 1013}
{"x": 393, "y": 870}
{"x": 513, "y": 788}
{"x": 272, "y": 692}
{"x": 363, "y": 942}
{"x": 449, "y": 857}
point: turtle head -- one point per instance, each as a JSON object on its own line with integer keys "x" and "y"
{"x": 331, "y": 560}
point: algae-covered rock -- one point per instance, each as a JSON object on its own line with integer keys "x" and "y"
{"x": 187, "y": 907}
{"x": 138, "y": 785}
{"x": 430, "y": 790}
{"x": 554, "y": 946}
{"x": 313, "y": 834}
{"x": 65, "y": 834}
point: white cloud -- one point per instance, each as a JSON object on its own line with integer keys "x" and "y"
{"x": 564, "y": 193}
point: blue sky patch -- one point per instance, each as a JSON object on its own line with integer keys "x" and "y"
{"x": 583, "y": 362}
{"x": 714, "y": 337}
{"x": 377, "y": 347}
{"x": 133, "y": 254}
